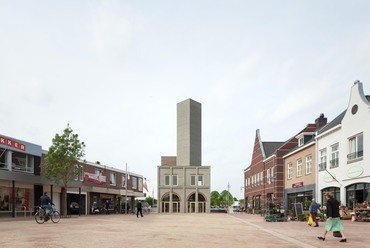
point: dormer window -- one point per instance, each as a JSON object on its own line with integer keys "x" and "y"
{"x": 301, "y": 141}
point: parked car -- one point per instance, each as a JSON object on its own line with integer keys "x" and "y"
{"x": 74, "y": 208}
{"x": 218, "y": 210}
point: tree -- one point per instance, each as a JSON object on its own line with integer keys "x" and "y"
{"x": 226, "y": 198}
{"x": 59, "y": 164}
{"x": 151, "y": 201}
{"x": 215, "y": 198}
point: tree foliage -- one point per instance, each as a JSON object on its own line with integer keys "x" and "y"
{"x": 64, "y": 153}
{"x": 224, "y": 199}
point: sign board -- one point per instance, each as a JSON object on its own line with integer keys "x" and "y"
{"x": 296, "y": 185}
{"x": 298, "y": 208}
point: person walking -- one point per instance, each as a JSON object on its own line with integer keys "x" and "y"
{"x": 107, "y": 207}
{"x": 314, "y": 207}
{"x": 333, "y": 223}
{"x": 139, "y": 207}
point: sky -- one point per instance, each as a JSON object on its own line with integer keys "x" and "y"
{"x": 115, "y": 70}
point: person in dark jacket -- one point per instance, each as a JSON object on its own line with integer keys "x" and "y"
{"x": 314, "y": 207}
{"x": 45, "y": 203}
{"x": 139, "y": 207}
{"x": 333, "y": 223}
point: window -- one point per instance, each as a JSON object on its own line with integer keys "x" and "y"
{"x": 261, "y": 177}
{"x": 167, "y": 180}
{"x": 192, "y": 180}
{"x": 355, "y": 147}
{"x": 174, "y": 180}
{"x": 2, "y": 158}
{"x": 322, "y": 165}
{"x": 301, "y": 142}
{"x": 334, "y": 162}
{"x": 98, "y": 172}
{"x": 272, "y": 174}
{"x": 252, "y": 181}
{"x": 112, "y": 179}
{"x": 308, "y": 164}
{"x": 268, "y": 176}
{"x": 134, "y": 183}
{"x": 290, "y": 171}
{"x": 200, "y": 180}
{"x": 299, "y": 167}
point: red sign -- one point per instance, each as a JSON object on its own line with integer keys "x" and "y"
{"x": 12, "y": 143}
{"x": 296, "y": 185}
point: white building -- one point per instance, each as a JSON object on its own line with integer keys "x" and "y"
{"x": 343, "y": 155}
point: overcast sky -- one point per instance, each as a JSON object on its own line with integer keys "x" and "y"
{"x": 115, "y": 70}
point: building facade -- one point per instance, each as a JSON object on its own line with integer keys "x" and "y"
{"x": 343, "y": 152}
{"x": 183, "y": 183}
{"x": 21, "y": 183}
{"x": 300, "y": 168}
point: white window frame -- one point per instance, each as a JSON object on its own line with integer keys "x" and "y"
{"x": 299, "y": 167}
{"x": 355, "y": 146}
{"x": 308, "y": 164}
{"x": 268, "y": 176}
{"x": 290, "y": 170}
{"x": 301, "y": 141}
{"x": 322, "y": 164}
{"x": 334, "y": 162}
{"x": 112, "y": 179}
{"x": 200, "y": 180}
{"x": 76, "y": 172}
{"x": 134, "y": 183}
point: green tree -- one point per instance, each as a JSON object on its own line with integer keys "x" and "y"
{"x": 215, "y": 198}
{"x": 226, "y": 198}
{"x": 151, "y": 201}
{"x": 59, "y": 164}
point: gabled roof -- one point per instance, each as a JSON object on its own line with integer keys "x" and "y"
{"x": 337, "y": 120}
{"x": 271, "y": 147}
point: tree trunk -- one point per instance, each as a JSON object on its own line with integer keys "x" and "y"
{"x": 63, "y": 204}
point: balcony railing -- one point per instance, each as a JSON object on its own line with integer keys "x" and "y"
{"x": 355, "y": 155}
{"x": 334, "y": 163}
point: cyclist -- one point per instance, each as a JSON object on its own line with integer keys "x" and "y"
{"x": 45, "y": 203}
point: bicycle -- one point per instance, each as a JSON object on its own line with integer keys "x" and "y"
{"x": 40, "y": 215}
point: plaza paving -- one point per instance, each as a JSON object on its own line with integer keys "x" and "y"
{"x": 174, "y": 230}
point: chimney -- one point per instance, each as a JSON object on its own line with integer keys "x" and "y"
{"x": 321, "y": 121}
{"x": 97, "y": 162}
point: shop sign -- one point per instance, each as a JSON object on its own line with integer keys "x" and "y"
{"x": 94, "y": 178}
{"x": 12, "y": 143}
{"x": 296, "y": 185}
{"x": 355, "y": 171}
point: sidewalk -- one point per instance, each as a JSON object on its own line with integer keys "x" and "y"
{"x": 174, "y": 230}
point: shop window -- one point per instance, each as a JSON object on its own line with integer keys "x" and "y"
{"x": 308, "y": 164}
{"x": 322, "y": 165}
{"x": 355, "y": 147}
{"x": 22, "y": 162}
{"x": 334, "y": 190}
{"x": 334, "y": 162}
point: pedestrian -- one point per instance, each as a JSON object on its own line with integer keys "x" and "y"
{"x": 333, "y": 223}
{"x": 314, "y": 207}
{"x": 106, "y": 207}
{"x": 139, "y": 207}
